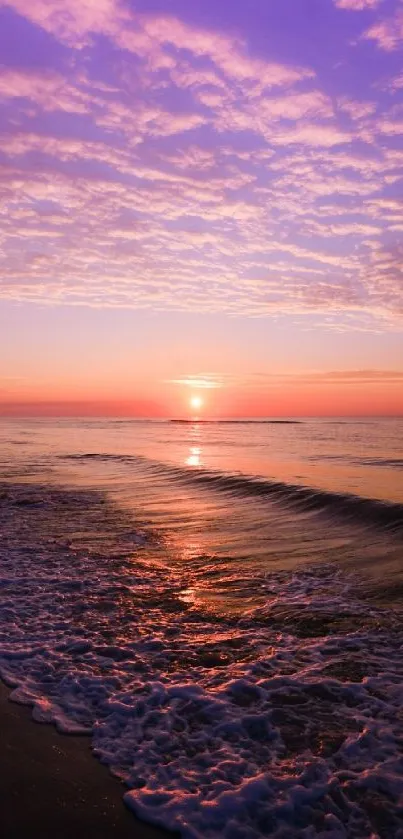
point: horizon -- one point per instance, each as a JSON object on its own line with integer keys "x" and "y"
{"x": 192, "y": 420}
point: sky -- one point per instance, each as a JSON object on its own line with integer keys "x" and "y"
{"x": 201, "y": 198}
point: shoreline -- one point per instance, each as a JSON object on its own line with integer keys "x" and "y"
{"x": 53, "y": 785}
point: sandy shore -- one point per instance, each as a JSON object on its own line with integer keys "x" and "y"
{"x": 53, "y": 787}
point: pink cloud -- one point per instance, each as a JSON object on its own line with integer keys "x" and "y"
{"x": 47, "y": 89}
{"x": 72, "y": 21}
{"x": 311, "y": 134}
{"x": 396, "y": 83}
{"x": 389, "y": 126}
{"x": 355, "y": 109}
{"x": 227, "y": 53}
{"x": 357, "y": 5}
{"x": 388, "y": 33}
{"x": 148, "y": 36}
{"x": 290, "y": 221}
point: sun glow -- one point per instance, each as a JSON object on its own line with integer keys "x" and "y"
{"x": 196, "y": 402}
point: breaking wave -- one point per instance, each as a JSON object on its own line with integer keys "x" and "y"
{"x": 369, "y": 511}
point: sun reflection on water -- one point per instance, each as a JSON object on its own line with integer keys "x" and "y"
{"x": 194, "y": 458}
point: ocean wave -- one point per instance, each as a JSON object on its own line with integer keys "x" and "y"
{"x": 368, "y": 511}
{"x": 238, "y": 421}
{"x": 283, "y": 722}
{"x": 379, "y": 462}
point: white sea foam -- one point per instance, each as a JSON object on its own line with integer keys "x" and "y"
{"x": 284, "y": 720}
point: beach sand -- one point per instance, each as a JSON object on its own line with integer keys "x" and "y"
{"x": 54, "y": 788}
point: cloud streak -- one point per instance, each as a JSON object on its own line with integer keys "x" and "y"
{"x": 190, "y": 171}
{"x": 357, "y": 5}
{"x": 308, "y": 378}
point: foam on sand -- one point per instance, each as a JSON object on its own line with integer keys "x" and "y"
{"x": 285, "y": 721}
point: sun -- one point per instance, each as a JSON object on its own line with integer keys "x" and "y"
{"x": 196, "y": 402}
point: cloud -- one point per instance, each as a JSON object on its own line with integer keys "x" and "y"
{"x": 318, "y": 378}
{"x": 73, "y": 20}
{"x": 396, "y": 83}
{"x": 384, "y": 277}
{"x": 357, "y": 5}
{"x": 189, "y": 173}
{"x": 202, "y": 381}
{"x": 355, "y": 109}
{"x": 150, "y": 36}
{"x": 46, "y": 88}
{"x": 387, "y": 33}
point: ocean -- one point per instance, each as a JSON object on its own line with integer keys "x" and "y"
{"x": 218, "y": 605}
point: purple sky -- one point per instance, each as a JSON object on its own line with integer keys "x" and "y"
{"x": 198, "y": 186}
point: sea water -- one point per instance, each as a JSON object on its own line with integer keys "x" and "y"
{"x": 218, "y": 606}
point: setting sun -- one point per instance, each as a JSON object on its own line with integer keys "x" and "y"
{"x": 196, "y": 402}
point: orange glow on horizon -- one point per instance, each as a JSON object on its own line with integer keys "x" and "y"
{"x": 380, "y": 394}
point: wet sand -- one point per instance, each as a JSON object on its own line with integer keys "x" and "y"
{"x": 52, "y": 785}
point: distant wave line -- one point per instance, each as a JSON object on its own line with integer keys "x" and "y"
{"x": 237, "y": 421}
